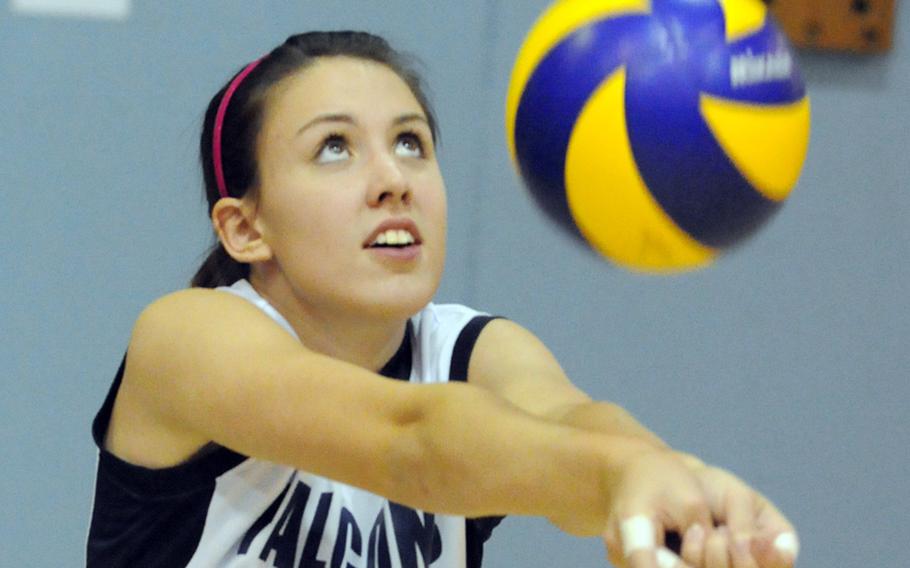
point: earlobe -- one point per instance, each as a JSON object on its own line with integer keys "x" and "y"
{"x": 234, "y": 223}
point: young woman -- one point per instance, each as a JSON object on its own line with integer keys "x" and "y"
{"x": 305, "y": 404}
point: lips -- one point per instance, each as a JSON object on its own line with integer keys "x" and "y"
{"x": 399, "y": 224}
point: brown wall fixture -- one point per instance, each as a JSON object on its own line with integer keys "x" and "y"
{"x": 862, "y": 26}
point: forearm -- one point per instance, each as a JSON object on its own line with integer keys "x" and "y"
{"x": 607, "y": 418}
{"x": 475, "y": 454}
{"x": 611, "y": 419}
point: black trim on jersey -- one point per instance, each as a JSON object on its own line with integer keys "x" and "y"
{"x": 211, "y": 461}
{"x": 149, "y": 517}
{"x": 478, "y": 531}
{"x": 146, "y": 517}
{"x": 464, "y": 346}
{"x": 399, "y": 366}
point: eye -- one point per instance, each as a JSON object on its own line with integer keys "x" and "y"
{"x": 409, "y": 144}
{"x": 334, "y": 148}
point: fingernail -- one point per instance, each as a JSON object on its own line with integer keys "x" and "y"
{"x": 695, "y": 534}
{"x": 637, "y": 534}
{"x": 787, "y": 543}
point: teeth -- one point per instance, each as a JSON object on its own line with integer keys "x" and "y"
{"x": 394, "y": 237}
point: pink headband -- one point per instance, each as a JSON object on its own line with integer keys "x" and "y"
{"x": 219, "y": 124}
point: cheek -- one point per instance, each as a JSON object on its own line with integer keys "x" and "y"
{"x": 442, "y": 210}
{"x": 436, "y": 215}
{"x": 311, "y": 211}
{"x": 294, "y": 225}
{"x": 437, "y": 203}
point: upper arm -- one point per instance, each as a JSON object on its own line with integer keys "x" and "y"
{"x": 208, "y": 366}
{"x": 512, "y": 362}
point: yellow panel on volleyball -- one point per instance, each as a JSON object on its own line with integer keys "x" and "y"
{"x": 608, "y": 198}
{"x": 767, "y": 143}
{"x": 557, "y": 22}
{"x": 743, "y": 17}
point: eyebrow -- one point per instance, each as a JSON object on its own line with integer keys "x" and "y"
{"x": 410, "y": 118}
{"x": 346, "y": 118}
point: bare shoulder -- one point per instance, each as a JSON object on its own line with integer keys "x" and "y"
{"x": 198, "y": 307}
{"x": 184, "y": 347}
{"x": 207, "y": 366}
{"x": 504, "y": 344}
{"x": 198, "y": 338}
{"x": 514, "y": 363}
{"x": 197, "y": 321}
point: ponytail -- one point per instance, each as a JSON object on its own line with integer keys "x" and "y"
{"x": 219, "y": 269}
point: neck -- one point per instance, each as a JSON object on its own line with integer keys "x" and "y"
{"x": 339, "y": 334}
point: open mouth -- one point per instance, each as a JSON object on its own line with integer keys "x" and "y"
{"x": 394, "y": 239}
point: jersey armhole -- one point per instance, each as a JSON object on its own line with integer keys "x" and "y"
{"x": 464, "y": 346}
{"x": 198, "y": 471}
{"x": 479, "y": 530}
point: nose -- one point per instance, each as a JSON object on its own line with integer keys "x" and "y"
{"x": 388, "y": 183}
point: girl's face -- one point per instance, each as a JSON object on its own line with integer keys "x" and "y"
{"x": 351, "y": 200}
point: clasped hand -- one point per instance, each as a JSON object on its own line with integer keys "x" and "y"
{"x": 721, "y": 521}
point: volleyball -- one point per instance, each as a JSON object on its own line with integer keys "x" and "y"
{"x": 660, "y": 132}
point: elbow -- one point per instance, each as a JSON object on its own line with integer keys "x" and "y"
{"x": 430, "y": 466}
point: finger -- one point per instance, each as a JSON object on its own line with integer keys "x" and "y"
{"x": 693, "y": 545}
{"x": 614, "y": 548}
{"x": 787, "y": 546}
{"x": 642, "y": 559}
{"x": 638, "y": 534}
{"x": 666, "y": 558}
{"x": 769, "y": 518}
{"x": 716, "y": 555}
{"x": 691, "y": 510}
{"x": 742, "y": 512}
{"x": 615, "y": 559}
{"x": 776, "y": 545}
{"x": 741, "y": 552}
{"x": 776, "y": 550}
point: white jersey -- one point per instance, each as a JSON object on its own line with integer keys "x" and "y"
{"x": 223, "y": 509}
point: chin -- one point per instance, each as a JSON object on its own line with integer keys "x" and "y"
{"x": 400, "y": 303}
{"x": 388, "y": 312}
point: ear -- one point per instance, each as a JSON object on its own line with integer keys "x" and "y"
{"x": 234, "y": 221}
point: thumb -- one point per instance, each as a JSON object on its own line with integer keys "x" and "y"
{"x": 635, "y": 537}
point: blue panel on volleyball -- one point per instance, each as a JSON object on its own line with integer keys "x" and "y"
{"x": 686, "y": 121}
{"x": 683, "y": 166}
{"x": 681, "y": 162}
{"x": 544, "y": 143}
{"x": 742, "y": 74}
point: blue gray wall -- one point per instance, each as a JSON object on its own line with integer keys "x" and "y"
{"x": 786, "y": 362}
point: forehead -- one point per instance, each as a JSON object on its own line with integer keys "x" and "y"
{"x": 340, "y": 85}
